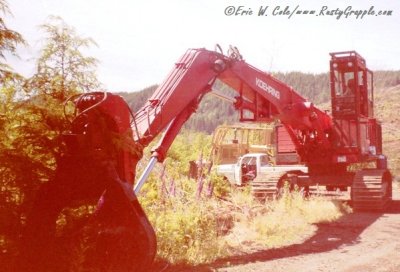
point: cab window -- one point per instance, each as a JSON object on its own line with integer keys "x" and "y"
{"x": 264, "y": 161}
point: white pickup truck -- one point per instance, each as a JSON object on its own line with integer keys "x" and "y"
{"x": 253, "y": 165}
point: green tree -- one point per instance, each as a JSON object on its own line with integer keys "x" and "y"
{"x": 10, "y": 196}
{"x": 32, "y": 121}
{"x": 62, "y": 69}
{"x": 9, "y": 40}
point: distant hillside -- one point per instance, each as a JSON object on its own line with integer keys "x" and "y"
{"x": 315, "y": 87}
{"x": 210, "y": 113}
{"x": 387, "y": 105}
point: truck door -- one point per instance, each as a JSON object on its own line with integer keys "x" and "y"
{"x": 249, "y": 168}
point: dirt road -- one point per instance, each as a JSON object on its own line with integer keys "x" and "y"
{"x": 356, "y": 242}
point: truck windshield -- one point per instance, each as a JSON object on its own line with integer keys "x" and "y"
{"x": 249, "y": 161}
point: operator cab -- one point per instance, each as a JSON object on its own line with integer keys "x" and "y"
{"x": 352, "y": 99}
{"x": 351, "y": 86}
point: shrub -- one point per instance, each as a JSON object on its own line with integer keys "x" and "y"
{"x": 186, "y": 225}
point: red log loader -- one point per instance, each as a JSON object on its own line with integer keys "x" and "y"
{"x": 106, "y": 141}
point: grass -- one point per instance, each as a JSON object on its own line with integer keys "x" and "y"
{"x": 195, "y": 230}
{"x": 287, "y": 220}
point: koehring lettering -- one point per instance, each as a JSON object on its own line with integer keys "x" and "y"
{"x": 269, "y": 89}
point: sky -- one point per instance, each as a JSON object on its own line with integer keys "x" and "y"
{"x": 139, "y": 41}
